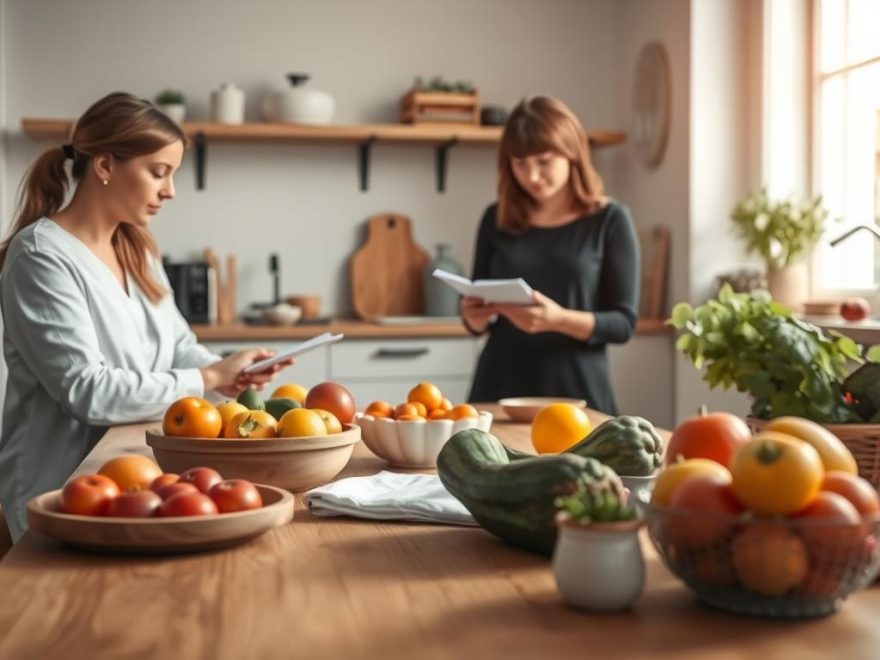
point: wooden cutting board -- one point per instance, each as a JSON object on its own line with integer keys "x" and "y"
{"x": 387, "y": 270}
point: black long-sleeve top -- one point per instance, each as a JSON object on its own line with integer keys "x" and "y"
{"x": 591, "y": 264}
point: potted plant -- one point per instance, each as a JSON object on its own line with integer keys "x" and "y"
{"x": 783, "y": 233}
{"x": 440, "y": 100}
{"x": 172, "y": 103}
{"x": 787, "y": 366}
{"x": 597, "y": 560}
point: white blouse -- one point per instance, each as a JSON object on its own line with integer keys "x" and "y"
{"x": 82, "y": 355}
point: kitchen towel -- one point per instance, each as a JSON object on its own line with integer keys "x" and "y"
{"x": 390, "y": 496}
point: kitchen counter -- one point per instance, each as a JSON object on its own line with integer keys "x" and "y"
{"x": 362, "y": 330}
{"x": 347, "y": 588}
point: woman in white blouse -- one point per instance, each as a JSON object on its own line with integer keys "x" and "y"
{"x": 91, "y": 335}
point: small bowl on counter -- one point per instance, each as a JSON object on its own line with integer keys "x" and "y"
{"x": 295, "y": 464}
{"x": 414, "y": 443}
{"x": 640, "y": 487}
{"x": 524, "y": 408}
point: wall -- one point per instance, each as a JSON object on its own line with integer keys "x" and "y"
{"x": 303, "y": 200}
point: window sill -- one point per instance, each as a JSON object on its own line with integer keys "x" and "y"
{"x": 865, "y": 332}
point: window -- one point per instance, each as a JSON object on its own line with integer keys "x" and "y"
{"x": 847, "y": 140}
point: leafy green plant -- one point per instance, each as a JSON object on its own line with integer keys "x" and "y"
{"x": 170, "y": 97}
{"x": 439, "y": 84}
{"x": 587, "y": 504}
{"x": 789, "y": 367}
{"x": 782, "y": 232}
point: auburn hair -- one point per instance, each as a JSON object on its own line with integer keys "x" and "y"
{"x": 539, "y": 124}
{"x": 124, "y": 127}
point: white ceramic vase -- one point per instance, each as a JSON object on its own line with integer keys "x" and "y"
{"x": 175, "y": 111}
{"x": 299, "y": 104}
{"x": 598, "y": 567}
{"x": 789, "y": 285}
{"x": 227, "y": 104}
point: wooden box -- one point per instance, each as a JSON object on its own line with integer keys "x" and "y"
{"x": 420, "y": 107}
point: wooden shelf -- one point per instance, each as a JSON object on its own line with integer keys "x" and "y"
{"x": 441, "y": 136}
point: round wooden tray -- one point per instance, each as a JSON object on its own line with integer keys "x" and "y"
{"x": 525, "y": 408}
{"x": 159, "y": 535}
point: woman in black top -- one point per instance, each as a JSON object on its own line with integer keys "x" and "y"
{"x": 578, "y": 250}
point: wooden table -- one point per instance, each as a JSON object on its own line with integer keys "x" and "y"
{"x": 349, "y": 588}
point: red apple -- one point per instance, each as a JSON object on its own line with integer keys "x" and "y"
{"x": 134, "y": 504}
{"x": 88, "y": 495}
{"x": 333, "y": 398}
{"x": 203, "y": 478}
{"x": 168, "y": 491}
{"x": 235, "y": 495}
{"x": 187, "y": 504}
{"x": 855, "y": 309}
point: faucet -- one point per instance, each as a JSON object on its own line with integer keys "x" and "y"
{"x": 871, "y": 228}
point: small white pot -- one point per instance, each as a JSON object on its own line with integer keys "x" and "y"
{"x": 227, "y": 104}
{"x": 175, "y": 111}
{"x": 599, "y": 566}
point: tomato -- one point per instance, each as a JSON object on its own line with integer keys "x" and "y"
{"x": 192, "y": 417}
{"x": 860, "y": 493}
{"x": 300, "y": 423}
{"x": 187, "y": 504}
{"x": 228, "y": 410}
{"x": 334, "y": 398}
{"x": 555, "y": 428}
{"x": 769, "y": 559}
{"x": 134, "y": 504}
{"x": 835, "y": 532}
{"x": 163, "y": 480}
{"x": 715, "y": 436}
{"x": 834, "y": 454}
{"x": 427, "y": 394}
{"x": 235, "y": 495}
{"x": 330, "y": 421}
{"x": 251, "y": 424}
{"x": 674, "y": 475}
{"x": 775, "y": 474}
{"x": 203, "y": 478}
{"x": 131, "y": 471}
{"x": 88, "y": 495}
{"x": 709, "y": 496}
{"x": 168, "y": 491}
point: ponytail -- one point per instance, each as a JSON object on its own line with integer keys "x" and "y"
{"x": 42, "y": 193}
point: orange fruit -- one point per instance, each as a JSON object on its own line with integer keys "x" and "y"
{"x": 130, "y": 471}
{"x": 330, "y": 420}
{"x": 446, "y": 404}
{"x": 251, "y": 425}
{"x": 379, "y": 409}
{"x": 559, "y": 426}
{"x": 439, "y": 413}
{"x": 300, "y": 423}
{"x": 407, "y": 409}
{"x": 228, "y": 410}
{"x": 428, "y": 394}
{"x": 769, "y": 559}
{"x": 410, "y": 418}
{"x": 461, "y": 411}
{"x": 291, "y": 391}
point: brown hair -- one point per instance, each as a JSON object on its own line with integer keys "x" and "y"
{"x": 536, "y": 125}
{"x": 125, "y": 127}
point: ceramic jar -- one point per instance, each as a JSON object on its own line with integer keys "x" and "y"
{"x": 440, "y": 299}
{"x": 598, "y": 566}
{"x": 227, "y": 104}
{"x": 299, "y": 104}
{"x": 789, "y": 285}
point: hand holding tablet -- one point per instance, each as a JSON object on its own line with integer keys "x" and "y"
{"x": 293, "y": 351}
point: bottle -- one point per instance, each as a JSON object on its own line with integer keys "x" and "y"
{"x": 440, "y": 299}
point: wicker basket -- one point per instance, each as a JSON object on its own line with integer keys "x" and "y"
{"x": 863, "y": 440}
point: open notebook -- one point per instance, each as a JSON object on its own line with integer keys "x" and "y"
{"x": 510, "y": 292}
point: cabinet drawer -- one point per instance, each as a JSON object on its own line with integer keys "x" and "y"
{"x": 418, "y": 359}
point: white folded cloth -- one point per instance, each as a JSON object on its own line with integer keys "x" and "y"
{"x": 389, "y": 496}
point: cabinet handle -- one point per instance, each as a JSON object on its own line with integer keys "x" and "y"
{"x": 398, "y": 353}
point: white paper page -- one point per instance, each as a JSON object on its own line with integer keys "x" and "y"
{"x": 297, "y": 349}
{"x": 510, "y": 292}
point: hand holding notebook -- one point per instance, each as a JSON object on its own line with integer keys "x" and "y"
{"x": 504, "y": 292}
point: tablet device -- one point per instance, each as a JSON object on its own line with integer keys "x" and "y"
{"x": 293, "y": 351}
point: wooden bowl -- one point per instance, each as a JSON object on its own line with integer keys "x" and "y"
{"x": 524, "y": 409}
{"x": 159, "y": 535}
{"x": 296, "y": 464}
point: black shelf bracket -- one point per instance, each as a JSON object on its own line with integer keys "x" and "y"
{"x": 364, "y": 151}
{"x": 201, "y": 151}
{"x": 441, "y": 158}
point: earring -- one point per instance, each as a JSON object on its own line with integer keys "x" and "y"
{"x": 106, "y": 181}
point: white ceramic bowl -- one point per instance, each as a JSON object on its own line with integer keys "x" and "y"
{"x": 413, "y": 443}
{"x": 524, "y": 408}
{"x": 640, "y": 487}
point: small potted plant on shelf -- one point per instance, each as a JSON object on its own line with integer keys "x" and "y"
{"x": 173, "y": 103}
{"x": 787, "y": 366}
{"x": 597, "y": 561}
{"x": 440, "y": 101}
{"x": 783, "y": 233}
